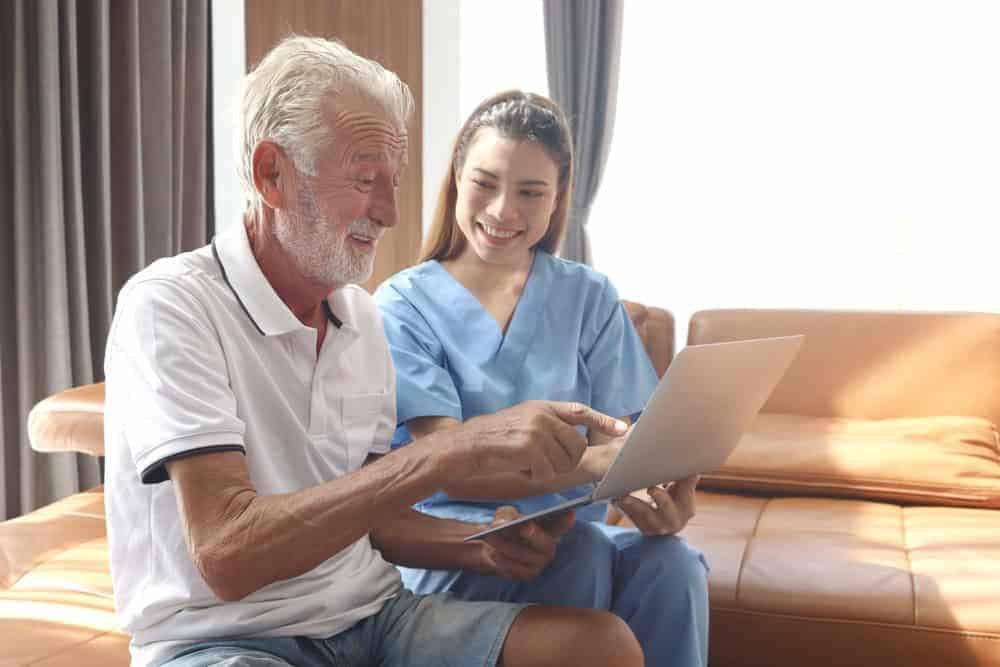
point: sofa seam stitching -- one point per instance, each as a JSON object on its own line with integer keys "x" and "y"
{"x": 71, "y": 647}
{"x": 909, "y": 564}
{"x": 746, "y": 549}
{"x": 973, "y": 634}
{"x": 816, "y": 479}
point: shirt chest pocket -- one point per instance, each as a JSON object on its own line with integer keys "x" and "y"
{"x": 360, "y": 415}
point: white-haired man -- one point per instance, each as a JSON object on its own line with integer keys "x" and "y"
{"x": 248, "y": 384}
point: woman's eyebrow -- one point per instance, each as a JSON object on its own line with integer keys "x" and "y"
{"x": 527, "y": 181}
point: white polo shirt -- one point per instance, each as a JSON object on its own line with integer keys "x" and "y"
{"x": 203, "y": 356}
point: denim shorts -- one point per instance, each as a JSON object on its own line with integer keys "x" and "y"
{"x": 410, "y": 629}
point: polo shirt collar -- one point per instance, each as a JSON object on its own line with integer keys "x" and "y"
{"x": 268, "y": 313}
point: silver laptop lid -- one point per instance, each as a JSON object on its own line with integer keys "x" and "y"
{"x": 698, "y": 412}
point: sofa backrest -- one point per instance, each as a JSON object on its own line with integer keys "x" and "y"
{"x": 656, "y": 329}
{"x": 874, "y": 365}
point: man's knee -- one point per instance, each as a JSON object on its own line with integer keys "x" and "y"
{"x": 564, "y": 636}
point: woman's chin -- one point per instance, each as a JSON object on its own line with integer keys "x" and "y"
{"x": 511, "y": 256}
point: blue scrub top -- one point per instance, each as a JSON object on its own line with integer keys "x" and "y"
{"x": 569, "y": 339}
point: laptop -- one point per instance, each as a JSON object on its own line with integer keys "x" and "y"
{"x": 692, "y": 422}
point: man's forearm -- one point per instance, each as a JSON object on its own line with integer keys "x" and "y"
{"x": 245, "y": 541}
{"x": 507, "y": 485}
{"x": 510, "y": 486}
{"x": 415, "y": 539}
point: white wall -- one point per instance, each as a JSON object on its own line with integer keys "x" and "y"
{"x": 228, "y": 65}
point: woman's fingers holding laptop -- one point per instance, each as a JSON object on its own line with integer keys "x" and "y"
{"x": 670, "y": 508}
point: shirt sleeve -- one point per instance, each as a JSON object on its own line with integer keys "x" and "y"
{"x": 622, "y": 374}
{"x": 424, "y": 387}
{"x": 166, "y": 370}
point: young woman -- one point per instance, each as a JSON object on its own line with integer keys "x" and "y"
{"x": 491, "y": 318}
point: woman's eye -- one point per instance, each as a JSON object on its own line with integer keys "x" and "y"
{"x": 533, "y": 194}
{"x": 483, "y": 184}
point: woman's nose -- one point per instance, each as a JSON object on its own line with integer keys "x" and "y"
{"x": 501, "y": 207}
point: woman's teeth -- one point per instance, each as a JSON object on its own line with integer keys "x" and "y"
{"x": 497, "y": 232}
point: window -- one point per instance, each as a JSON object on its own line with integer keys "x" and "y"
{"x": 783, "y": 153}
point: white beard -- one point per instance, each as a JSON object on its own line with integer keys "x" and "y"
{"x": 319, "y": 247}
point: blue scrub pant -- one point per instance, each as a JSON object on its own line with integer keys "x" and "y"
{"x": 658, "y": 585}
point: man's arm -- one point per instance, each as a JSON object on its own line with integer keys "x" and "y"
{"x": 662, "y": 510}
{"x": 591, "y": 468}
{"x": 241, "y": 541}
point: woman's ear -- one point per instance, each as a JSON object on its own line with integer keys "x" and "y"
{"x": 268, "y": 161}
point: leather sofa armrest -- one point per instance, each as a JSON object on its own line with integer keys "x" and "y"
{"x": 69, "y": 421}
{"x": 655, "y": 327}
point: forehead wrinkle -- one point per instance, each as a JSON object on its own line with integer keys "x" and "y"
{"x": 361, "y": 121}
{"x": 375, "y": 147}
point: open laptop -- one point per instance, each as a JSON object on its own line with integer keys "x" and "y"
{"x": 694, "y": 419}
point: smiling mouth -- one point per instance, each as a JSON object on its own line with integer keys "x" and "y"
{"x": 498, "y": 233}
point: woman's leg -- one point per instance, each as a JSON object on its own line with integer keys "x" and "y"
{"x": 661, "y": 590}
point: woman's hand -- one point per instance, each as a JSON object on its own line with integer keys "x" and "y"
{"x": 671, "y": 508}
{"x": 522, "y": 553}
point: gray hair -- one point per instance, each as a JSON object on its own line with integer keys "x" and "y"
{"x": 283, "y": 100}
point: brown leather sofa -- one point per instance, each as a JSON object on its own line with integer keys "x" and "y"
{"x": 858, "y": 522}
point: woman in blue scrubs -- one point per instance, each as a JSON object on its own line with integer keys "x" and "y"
{"x": 491, "y": 318}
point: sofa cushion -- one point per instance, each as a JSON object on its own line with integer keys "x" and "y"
{"x": 933, "y": 460}
{"x": 822, "y": 581}
{"x": 56, "y": 603}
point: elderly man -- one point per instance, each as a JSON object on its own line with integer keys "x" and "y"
{"x": 248, "y": 384}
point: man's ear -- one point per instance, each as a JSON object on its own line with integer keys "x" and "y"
{"x": 269, "y": 162}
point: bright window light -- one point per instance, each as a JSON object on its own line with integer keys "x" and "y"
{"x": 790, "y": 153}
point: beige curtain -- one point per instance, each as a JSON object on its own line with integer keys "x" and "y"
{"x": 104, "y": 124}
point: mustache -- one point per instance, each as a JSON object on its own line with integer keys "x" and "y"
{"x": 366, "y": 227}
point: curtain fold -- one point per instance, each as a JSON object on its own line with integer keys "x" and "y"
{"x": 583, "y": 52}
{"x": 105, "y": 123}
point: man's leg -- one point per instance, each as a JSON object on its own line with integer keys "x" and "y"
{"x": 432, "y": 630}
{"x": 238, "y": 653}
{"x": 661, "y": 590}
{"x": 563, "y": 636}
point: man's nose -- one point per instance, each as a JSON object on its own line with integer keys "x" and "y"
{"x": 384, "y": 206}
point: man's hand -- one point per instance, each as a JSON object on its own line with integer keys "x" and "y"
{"x": 522, "y": 553}
{"x": 600, "y": 455}
{"x": 536, "y": 439}
{"x": 671, "y": 508}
